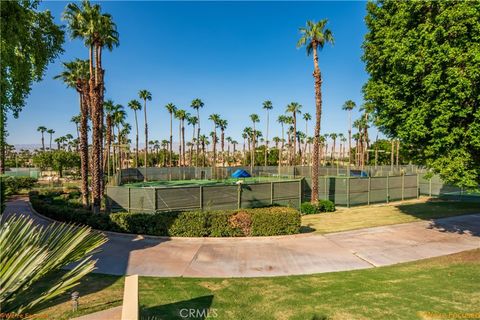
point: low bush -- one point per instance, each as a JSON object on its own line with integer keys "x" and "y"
{"x": 321, "y": 206}
{"x": 230, "y": 223}
{"x": 326, "y": 206}
{"x": 308, "y": 208}
{"x": 12, "y": 185}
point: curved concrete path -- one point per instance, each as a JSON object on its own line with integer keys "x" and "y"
{"x": 278, "y": 256}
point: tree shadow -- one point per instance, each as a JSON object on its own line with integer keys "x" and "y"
{"x": 446, "y": 215}
{"x": 196, "y": 308}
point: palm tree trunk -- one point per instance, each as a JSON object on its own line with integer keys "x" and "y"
{"x": 266, "y": 140}
{"x": 398, "y": 152}
{"x": 146, "y": 138}
{"x": 183, "y": 143}
{"x": 83, "y": 140}
{"x": 171, "y": 139}
{"x": 198, "y": 137}
{"x": 222, "y": 137}
{"x": 136, "y": 139}
{"x": 318, "y": 116}
{"x": 294, "y": 158}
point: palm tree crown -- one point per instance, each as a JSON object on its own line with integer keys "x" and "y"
{"x": 315, "y": 35}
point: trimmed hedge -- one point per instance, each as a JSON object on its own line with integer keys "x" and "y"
{"x": 229, "y": 223}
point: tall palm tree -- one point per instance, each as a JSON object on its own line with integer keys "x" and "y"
{"x": 164, "y": 147}
{"x": 282, "y": 119}
{"x": 42, "y": 131}
{"x": 314, "y": 37}
{"x": 145, "y": 95}
{"x": 229, "y": 142}
{"x": 75, "y": 75}
{"x": 109, "y": 108}
{"x": 267, "y": 105}
{"x": 118, "y": 118}
{"x": 135, "y": 105}
{"x": 215, "y": 118}
{"x": 98, "y": 31}
{"x": 307, "y": 117}
{"x": 181, "y": 116}
{"x": 50, "y": 132}
{"x": 197, "y": 104}
{"x": 193, "y": 121}
{"x": 222, "y": 124}
{"x": 294, "y": 108}
{"x": 334, "y": 137}
{"x": 203, "y": 141}
{"x": 76, "y": 120}
{"x": 171, "y": 110}
{"x": 349, "y": 105}
{"x": 254, "y": 118}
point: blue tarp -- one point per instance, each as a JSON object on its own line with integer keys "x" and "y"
{"x": 240, "y": 174}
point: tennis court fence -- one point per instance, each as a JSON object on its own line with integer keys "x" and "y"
{"x": 343, "y": 191}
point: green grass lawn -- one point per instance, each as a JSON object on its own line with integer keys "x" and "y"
{"x": 386, "y": 214}
{"x": 446, "y": 284}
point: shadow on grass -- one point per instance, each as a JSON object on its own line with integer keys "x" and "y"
{"x": 196, "y": 308}
{"x": 446, "y": 216}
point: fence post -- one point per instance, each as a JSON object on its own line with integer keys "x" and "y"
{"x": 369, "y": 187}
{"x": 128, "y": 199}
{"x": 388, "y": 188}
{"x": 201, "y": 197}
{"x": 271, "y": 193}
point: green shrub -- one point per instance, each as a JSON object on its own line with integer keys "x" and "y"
{"x": 275, "y": 221}
{"x": 326, "y": 206}
{"x": 308, "y": 208}
{"x": 229, "y": 223}
{"x": 13, "y": 185}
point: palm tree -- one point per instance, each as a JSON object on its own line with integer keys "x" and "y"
{"x": 197, "y": 104}
{"x": 97, "y": 30}
{"x": 193, "y": 121}
{"x": 118, "y": 118}
{"x": 109, "y": 108}
{"x": 181, "y": 115}
{"x": 245, "y": 137}
{"x": 215, "y": 118}
{"x": 314, "y": 37}
{"x": 76, "y": 120}
{"x": 222, "y": 124}
{"x": 229, "y": 142}
{"x": 50, "y": 132}
{"x": 203, "y": 141}
{"x": 267, "y": 105}
{"x": 135, "y": 106}
{"x": 282, "y": 119}
{"x": 349, "y": 105}
{"x": 76, "y": 75}
{"x": 276, "y": 140}
{"x": 171, "y": 110}
{"x": 294, "y": 108}
{"x": 307, "y": 117}
{"x": 334, "y": 137}
{"x": 164, "y": 146}
{"x": 42, "y": 130}
{"x": 254, "y": 118}
{"x": 145, "y": 95}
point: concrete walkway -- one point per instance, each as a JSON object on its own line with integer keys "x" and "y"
{"x": 277, "y": 256}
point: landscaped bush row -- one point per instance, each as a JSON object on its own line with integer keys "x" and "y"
{"x": 321, "y": 206}
{"x": 12, "y": 185}
{"x": 229, "y": 223}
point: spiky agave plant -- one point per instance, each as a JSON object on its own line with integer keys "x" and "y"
{"x": 31, "y": 253}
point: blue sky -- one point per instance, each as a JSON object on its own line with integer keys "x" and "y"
{"x": 232, "y": 55}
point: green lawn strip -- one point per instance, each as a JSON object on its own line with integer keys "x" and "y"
{"x": 446, "y": 284}
{"x": 372, "y": 216}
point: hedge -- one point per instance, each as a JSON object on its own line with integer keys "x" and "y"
{"x": 229, "y": 223}
{"x": 321, "y": 206}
